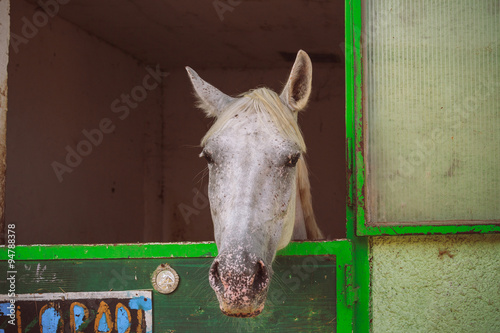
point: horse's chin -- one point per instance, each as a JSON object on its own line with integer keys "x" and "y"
{"x": 245, "y": 312}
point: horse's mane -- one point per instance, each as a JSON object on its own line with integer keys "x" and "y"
{"x": 304, "y": 188}
{"x": 268, "y": 105}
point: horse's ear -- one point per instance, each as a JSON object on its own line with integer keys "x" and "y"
{"x": 210, "y": 99}
{"x": 298, "y": 88}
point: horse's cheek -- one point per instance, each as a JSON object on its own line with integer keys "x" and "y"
{"x": 286, "y": 189}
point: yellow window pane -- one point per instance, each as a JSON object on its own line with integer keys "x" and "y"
{"x": 432, "y": 110}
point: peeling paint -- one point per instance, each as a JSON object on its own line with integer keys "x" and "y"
{"x": 4, "y": 58}
{"x": 42, "y": 276}
{"x": 118, "y": 311}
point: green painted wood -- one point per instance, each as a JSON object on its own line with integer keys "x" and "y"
{"x": 155, "y": 250}
{"x": 390, "y": 230}
{"x": 361, "y": 272}
{"x": 117, "y": 273}
{"x": 353, "y": 67}
{"x": 302, "y": 296}
{"x": 113, "y": 251}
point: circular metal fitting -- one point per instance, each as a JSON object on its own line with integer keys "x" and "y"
{"x": 165, "y": 279}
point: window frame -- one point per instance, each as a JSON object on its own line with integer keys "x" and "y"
{"x": 356, "y": 154}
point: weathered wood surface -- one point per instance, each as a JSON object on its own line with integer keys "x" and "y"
{"x": 302, "y": 296}
{"x": 85, "y": 312}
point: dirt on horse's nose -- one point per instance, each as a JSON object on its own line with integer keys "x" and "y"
{"x": 240, "y": 282}
{"x": 253, "y": 276}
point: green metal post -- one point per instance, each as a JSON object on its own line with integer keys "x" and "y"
{"x": 353, "y": 68}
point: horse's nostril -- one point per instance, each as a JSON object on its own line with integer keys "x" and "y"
{"x": 252, "y": 278}
{"x": 214, "y": 276}
{"x": 214, "y": 271}
{"x": 261, "y": 279}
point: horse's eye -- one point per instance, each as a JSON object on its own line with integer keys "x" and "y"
{"x": 292, "y": 160}
{"x": 207, "y": 156}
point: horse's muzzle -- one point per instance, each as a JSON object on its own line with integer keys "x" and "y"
{"x": 240, "y": 281}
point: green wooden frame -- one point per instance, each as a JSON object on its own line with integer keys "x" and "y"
{"x": 341, "y": 249}
{"x": 355, "y": 128}
{"x": 361, "y": 252}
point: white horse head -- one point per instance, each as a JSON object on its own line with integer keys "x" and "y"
{"x": 258, "y": 185}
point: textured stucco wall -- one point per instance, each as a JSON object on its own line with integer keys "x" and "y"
{"x": 436, "y": 283}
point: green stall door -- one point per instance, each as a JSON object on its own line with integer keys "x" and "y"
{"x": 102, "y": 289}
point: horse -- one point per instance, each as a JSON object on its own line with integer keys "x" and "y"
{"x": 259, "y": 190}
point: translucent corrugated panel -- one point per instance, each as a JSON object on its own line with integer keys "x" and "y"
{"x": 432, "y": 107}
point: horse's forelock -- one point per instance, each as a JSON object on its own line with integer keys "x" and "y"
{"x": 265, "y": 102}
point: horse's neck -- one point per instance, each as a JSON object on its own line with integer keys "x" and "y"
{"x": 305, "y": 226}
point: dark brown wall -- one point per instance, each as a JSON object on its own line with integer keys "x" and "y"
{"x": 135, "y": 185}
